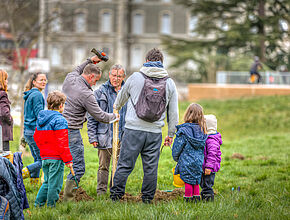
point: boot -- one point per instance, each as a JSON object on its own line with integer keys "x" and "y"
{"x": 208, "y": 197}
{"x": 34, "y": 182}
{"x": 196, "y": 199}
{"x": 187, "y": 199}
{"x": 68, "y": 194}
{"x": 25, "y": 173}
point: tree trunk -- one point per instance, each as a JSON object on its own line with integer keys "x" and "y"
{"x": 261, "y": 31}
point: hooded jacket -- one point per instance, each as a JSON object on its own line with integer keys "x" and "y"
{"x": 6, "y": 120}
{"x": 51, "y": 136}
{"x": 212, "y": 152}
{"x": 188, "y": 152}
{"x": 101, "y": 132}
{"x": 33, "y": 104}
{"x": 131, "y": 91}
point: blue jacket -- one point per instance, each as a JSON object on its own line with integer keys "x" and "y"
{"x": 9, "y": 190}
{"x": 17, "y": 162}
{"x": 100, "y": 132}
{"x": 33, "y": 104}
{"x": 187, "y": 151}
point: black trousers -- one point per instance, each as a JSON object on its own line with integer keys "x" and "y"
{"x": 207, "y": 182}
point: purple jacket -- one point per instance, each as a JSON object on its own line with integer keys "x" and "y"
{"x": 6, "y": 120}
{"x": 212, "y": 152}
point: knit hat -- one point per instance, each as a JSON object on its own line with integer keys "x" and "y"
{"x": 211, "y": 124}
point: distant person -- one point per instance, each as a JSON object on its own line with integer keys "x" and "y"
{"x": 33, "y": 104}
{"x": 100, "y": 134}
{"x": 212, "y": 158}
{"x": 144, "y": 120}
{"x": 51, "y": 136}
{"x": 6, "y": 120}
{"x": 254, "y": 71}
{"x": 77, "y": 87}
{"x": 188, "y": 150}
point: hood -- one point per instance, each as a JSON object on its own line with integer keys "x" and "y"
{"x": 154, "y": 69}
{"x": 45, "y": 116}
{"x": 211, "y": 124}
{"x": 29, "y": 92}
{"x": 217, "y": 137}
{"x": 192, "y": 133}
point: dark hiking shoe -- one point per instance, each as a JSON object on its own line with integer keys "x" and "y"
{"x": 196, "y": 199}
{"x": 207, "y": 198}
{"x": 187, "y": 199}
{"x": 147, "y": 201}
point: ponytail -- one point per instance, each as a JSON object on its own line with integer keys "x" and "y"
{"x": 29, "y": 84}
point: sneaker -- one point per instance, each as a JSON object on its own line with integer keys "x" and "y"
{"x": 187, "y": 199}
{"x": 196, "y": 199}
{"x": 207, "y": 197}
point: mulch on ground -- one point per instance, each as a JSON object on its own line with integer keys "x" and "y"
{"x": 79, "y": 195}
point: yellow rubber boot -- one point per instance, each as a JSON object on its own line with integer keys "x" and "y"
{"x": 34, "y": 182}
{"x": 25, "y": 173}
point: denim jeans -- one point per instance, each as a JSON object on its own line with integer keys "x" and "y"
{"x": 34, "y": 168}
{"x": 53, "y": 180}
{"x": 76, "y": 147}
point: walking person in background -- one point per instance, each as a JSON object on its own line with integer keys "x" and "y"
{"x": 212, "y": 158}
{"x": 101, "y": 134}
{"x": 77, "y": 87}
{"x": 144, "y": 136}
{"x": 188, "y": 150}
{"x": 254, "y": 71}
{"x": 6, "y": 120}
{"x": 33, "y": 104}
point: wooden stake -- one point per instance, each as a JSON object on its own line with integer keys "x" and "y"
{"x": 115, "y": 147}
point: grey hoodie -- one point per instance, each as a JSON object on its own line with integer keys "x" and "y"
{"x": 130, "y": 92}
{"x": 80, "y": 99}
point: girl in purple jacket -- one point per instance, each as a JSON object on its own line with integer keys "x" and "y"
{"x": 212, "y": 158}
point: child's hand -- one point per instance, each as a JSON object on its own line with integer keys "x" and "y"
{"x": 95, "y": 144}
{"x": 69, "y": 165}
{"x": 168, "y": 141}
{"x": 207, "y": 171}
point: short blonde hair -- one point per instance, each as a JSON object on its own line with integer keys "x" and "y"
{"x": 194, "y": 114}
{"x": 55, "y": 99}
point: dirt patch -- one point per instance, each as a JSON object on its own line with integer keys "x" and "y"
{"x": 238, "y": 156}
{"x": 79, "y": 195}
{"x": 159, "y": 196}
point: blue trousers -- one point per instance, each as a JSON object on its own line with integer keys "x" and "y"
{"x": 34, "y": 168}
{"x": 53, "y": 180}
{"x": 76, "y": 147}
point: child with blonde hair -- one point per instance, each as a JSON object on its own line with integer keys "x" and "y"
{"x": 51, "y": 136}
{"x": 188, "y": 150}
{"x": 212, "y": 158}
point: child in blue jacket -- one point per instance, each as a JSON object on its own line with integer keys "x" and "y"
{"x": 188, "y": 149}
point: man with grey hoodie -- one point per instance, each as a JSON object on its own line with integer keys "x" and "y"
{"x": 77, "y": 87}
{"x": 143, "y": 137}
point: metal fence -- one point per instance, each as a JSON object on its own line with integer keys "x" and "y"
{"x": 268, "y": 77}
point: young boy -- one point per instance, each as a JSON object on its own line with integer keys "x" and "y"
{"x": 51, "y": 136}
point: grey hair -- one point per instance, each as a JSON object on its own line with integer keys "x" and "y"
{"x": 117, "y": 67}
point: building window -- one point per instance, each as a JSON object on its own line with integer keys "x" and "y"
{"x": 80, "y": 22}
{"x": 106, "y": 25}
{"x": 55, "y": 25}
{"x": 166, "y": 24}
{"x": 55, "y": 56}
{"x": 136, "y": 57}
{"x": 192, "y": 25}
{"x": 79, "y": 55}
{"x": 138, "y": 23}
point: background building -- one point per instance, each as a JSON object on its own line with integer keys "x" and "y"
{"x": 124, "y": 29}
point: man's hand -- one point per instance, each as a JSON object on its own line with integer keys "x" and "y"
{"x": 95, "y": 59}
{"x": 69, "y": 165}
{"x": 168, "y": 141}
{"x": 95, "y": 144}
{"x": 207, "y": 171}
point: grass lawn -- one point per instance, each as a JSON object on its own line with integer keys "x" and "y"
{"x": 257, "y": 128}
